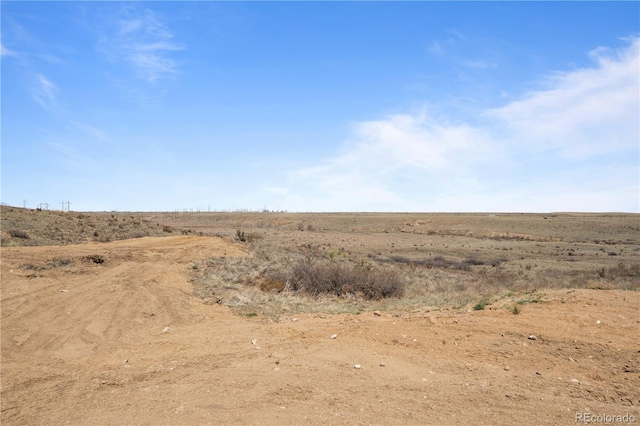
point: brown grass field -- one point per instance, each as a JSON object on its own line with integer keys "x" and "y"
{"x": 333, "y": 318}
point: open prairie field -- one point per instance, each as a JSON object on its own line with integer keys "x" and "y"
{"x": 282, "y": 318}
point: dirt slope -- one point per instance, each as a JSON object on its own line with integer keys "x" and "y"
{"x": 29, "y": 227}
{"x": 125, "y": 342}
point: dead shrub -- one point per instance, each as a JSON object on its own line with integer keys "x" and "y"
{"x": 272, "y": 285}
{"x": 319, "y": 277}
{"x": 56, "y": 262}
{"x": 59, "y": 262}
{"x": 245, "y": 237}
{"x": 33, "y": 267}
{"x": 622, "y": 270}
{"x": 434, "y": 262}
{"x": 16, "y": 233}
{"x": 95, "y": 258}
{"x": 473, "y": 261}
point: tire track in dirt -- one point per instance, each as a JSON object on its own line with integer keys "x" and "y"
{"x": 62, "y": 319}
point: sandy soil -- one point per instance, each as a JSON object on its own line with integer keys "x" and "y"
{"x": 126, "y": 342}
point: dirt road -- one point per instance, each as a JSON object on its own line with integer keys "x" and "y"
{"x": 125, "y": 341}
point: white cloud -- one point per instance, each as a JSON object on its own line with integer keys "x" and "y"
{"x": 582, "y": 113}
{"x": 436, "y": 48}
{"x": 44, "y": 92}
{"x": 143, "y": 41}
{"x": 478, "y": 64}
{"x": 93, "y": 132}
{"x": 455, "y": 34}
{"x": 6, "y": 52}
{"x": 533, "y": 154}
{"x": 386, "y": 160}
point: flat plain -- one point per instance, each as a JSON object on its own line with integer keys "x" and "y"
{"x": 191, "y": 318}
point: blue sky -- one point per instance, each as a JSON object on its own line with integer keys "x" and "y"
{"x": 322, "y": 106}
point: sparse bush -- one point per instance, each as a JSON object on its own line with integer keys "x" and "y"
{"x": 624, "y": 270}
{"x": 15, "y": 233}
{"x": 316, "y": 277}
{"x": 58, "y": 262}
{"x": 437, "y": 262}
{"x": 240, "y": 236}
{"x": 95, "y": 258}
{"x": 481, "y": 305}
{"x": 33, "y": 267}
{"x": 473, "y": 261}
{"x": 272, "y": 285}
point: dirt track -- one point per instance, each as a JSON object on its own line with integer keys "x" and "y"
{"x": 126, "y": 342}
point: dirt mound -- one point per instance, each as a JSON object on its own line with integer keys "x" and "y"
{"x": 35, "y": 227}
{"x": 124, "y": 341}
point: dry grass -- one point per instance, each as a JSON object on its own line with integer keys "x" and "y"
{"x": 28, "y": 227}
{"x": 56, "y": 262}
{"x": 272, "y": 280}
{"x": 357, "y": 262}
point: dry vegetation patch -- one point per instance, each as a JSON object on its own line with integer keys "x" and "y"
{"x": 357, "y": 262}
{"x": 36, "y": 227}
{"x": 342, "y": 263}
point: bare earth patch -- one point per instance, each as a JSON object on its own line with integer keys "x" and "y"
{"x": 126, "y": 342}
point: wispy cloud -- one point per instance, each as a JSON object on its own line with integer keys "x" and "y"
{"x": 73, "y": 156}
{"x": 44, "y": 92}
{"x": 532, "y": 154}
{"x": 6, "y": 52}
{"x": 436, "y": 48}
{"x": 464, "y": 52}
{"x": 95, "y": 133}
{"x": 143, "y": 41}
{"x": 582, "y": 113}
{"x": 478, "y": 64}
{"x": 28, "y": 47}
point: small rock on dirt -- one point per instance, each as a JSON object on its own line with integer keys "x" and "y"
{"x": 532, "y": 337}
{"x": 333, "y": 336}
{"x": 377, "y": 313}
{"x": 357, "y": 366}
